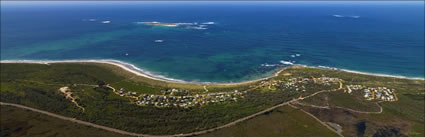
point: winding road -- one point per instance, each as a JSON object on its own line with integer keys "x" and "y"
{"x": 147, "y": 135}
{"x": 318, "y": 120}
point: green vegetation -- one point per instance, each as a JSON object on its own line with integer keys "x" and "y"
{"x": 37, "y": 86}
{"x": 405, "y": 116}
{"x": 16, "y": 122}
{"x": 340, "y": 99}
{"x": 281, "y": 122}
{"x": 284, "y": 121}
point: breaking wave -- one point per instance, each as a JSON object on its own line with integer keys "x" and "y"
{"x": 286, "y": 62}
{"x": 342, "y": 16}
{"x": 142, "y": 72}
{"x": 338, "y": 16}
{"x": 209, "y": 23}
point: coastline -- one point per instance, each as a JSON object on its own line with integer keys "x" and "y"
{"x": 140, "y": 72}
{"x": 137, "y": 71}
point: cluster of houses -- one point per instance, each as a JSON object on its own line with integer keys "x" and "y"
{"x": 123, "y": 92}
{"x": 180, "y": 98}
{"x": 186, "y": 99}
{"x": 175, "y": 92}
{"x": 298, "y": 84}
{"x": 350, "y": 88}
{"x": 293, "y": 83}
{"x": 380, "y": 93}
{"x": 327, "y": 80}
{"x": 376, "y": 93}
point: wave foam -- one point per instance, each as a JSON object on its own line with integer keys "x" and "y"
{"x": 368, "y": 73}
{"x": 341, "y": 16}
{"x": 269, "y": 65}
{"x": 91, "y": 20}
{"x": 187, "y": 24}
{"x": 127, "y": 66}
{"x": 338, "y": 16}
{"x": 286, "y": 62}
{"x": 141, "y": 72}
{"x": 159, "y": 41}
{"x": 209, "y": 23}
{"x": 198, "y": 27}
{"x": 355, "y": 17}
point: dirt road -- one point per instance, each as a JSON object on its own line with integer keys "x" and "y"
{"x": 147, "y": 135}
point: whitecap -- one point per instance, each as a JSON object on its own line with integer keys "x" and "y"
{"x": 355, "y": 17}
{"x": 268, "y": 65}
{"x": 338, "y": 16}
{"x": 326, "y": 67}
{"x": 106, "y": 22}
{"x": 286, "y": 62}
{"x": 297, "y": 55}
{"x": 209, "y": 23}
{"x": 323, "y": 66}
{"x": 141, "y": 72}
{"x": 188, "y": 24}
{"x": 143, "y": 22}
{"x": 293, "y": 56}
{"x": 199, "y": 27}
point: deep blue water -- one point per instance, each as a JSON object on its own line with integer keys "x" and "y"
{"x": 375, "y": 37}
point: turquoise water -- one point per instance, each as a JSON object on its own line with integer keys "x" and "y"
{"x": 247, "y": 39}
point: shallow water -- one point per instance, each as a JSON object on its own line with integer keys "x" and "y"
{"x": 375, "y": 37}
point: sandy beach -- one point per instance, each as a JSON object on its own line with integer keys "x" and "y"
{"x": 140, "y": 72}
{"x": 135, "y": 70}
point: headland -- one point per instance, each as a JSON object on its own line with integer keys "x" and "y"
{"x": 147, "y": 74}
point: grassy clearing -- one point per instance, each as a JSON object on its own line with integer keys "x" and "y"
{"x": 36, "y": 85}
{"x": 16, "y": 122}
{"x": 403, "y": 117}
{"x": 282, "y": 122}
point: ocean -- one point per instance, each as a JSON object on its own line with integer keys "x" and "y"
{"x": 220, "y": 41}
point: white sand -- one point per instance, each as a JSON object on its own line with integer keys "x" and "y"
{"x": 140, "y": 72}
{"x": 133, "y": 69}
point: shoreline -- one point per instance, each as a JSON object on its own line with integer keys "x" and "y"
{"x": 141, "y": 72}
{"x": 137, "y": 71}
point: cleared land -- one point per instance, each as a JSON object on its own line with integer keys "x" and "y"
{"x": 284, "y": 121}
{"x": 281, "y": 122}
{"x": 17, "y": 122}
{"x": 36, "y": 85}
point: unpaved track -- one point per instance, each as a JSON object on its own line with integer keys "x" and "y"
{"x": 348, "y": 109}
{"x": 318, "y": 120}
{"x": 363, "y": 112}
{"x": 147, "y": 135}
